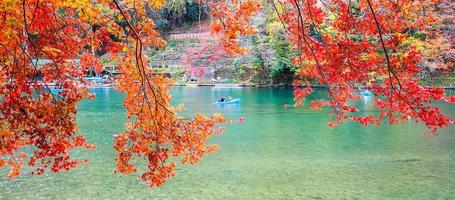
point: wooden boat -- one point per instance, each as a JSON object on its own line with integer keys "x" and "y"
{"x": 233, "y": 101}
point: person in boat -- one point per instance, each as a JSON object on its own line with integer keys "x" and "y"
{"x": 223, "y": 99}
{"x": 229, "y": 98}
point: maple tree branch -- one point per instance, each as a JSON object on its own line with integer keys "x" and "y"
{"x": 139, "y": 61}
{"x": 33, "y": 44}
{"x": 389, "y": 66}
{"x": 318, "y": 66}
{"x": 317, "y": 27}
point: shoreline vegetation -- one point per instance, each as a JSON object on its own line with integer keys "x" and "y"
{"x": 233, "y": 85}
{"x": 446, "y": 82}
{"x": 443, "y": 81}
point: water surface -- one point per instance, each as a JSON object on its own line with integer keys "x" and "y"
{"x": 275, "y": 154}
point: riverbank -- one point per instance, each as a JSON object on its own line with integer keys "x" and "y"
{"x": 227, "y": 85}
{"x": 443, "y": 81}
{"x": 440, "y": 81}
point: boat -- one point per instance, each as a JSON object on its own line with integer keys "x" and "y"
{"x": 233, "y": 101}
{"x": 96, "y": 80}
{"x": 366, "y": 93}
{"x": 102, "y": 85}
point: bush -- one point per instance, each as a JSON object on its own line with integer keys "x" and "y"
{"x": 281, "y": 61}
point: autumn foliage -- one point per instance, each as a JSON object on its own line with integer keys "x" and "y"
{"x": 40, "y": 127}
{"x": 342, "y": 44}
{"x": 347, "y": 45}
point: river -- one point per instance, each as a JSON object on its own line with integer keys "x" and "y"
{"x": 276, "y": 153}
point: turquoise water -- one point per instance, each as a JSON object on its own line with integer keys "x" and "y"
{"x": 274, "y": 154}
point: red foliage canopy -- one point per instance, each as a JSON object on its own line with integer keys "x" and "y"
{"x": 32, "y": 116}
{"x": 347, "y": 45}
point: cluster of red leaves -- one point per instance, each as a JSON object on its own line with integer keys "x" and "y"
{"x": 439, "y": 42}
{"x": 347, "y": 45}
{"x": 364, "y": 48}
{"x": 196, "y": 60}
{"x": 156, "y": 133}
{"x": 31, "y": 116}
{"x": 231, "y": 21}
{"x": 40, "y": 126}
